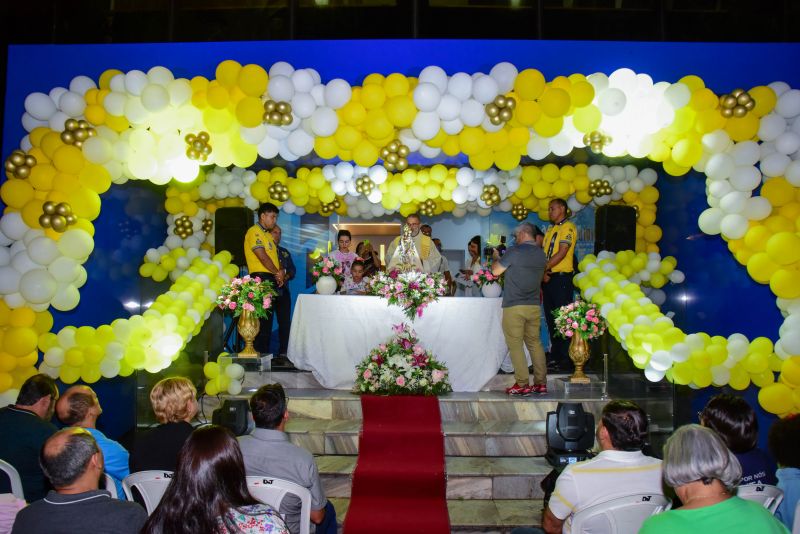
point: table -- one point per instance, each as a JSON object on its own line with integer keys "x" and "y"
{"x": 331, "y": 333}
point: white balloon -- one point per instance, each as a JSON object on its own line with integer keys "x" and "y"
{"x": 484, "y": 89}
{"x": 57, "y": 120}
{"x": 426, "y": 125}
{"x": 775, "y": 164}
{"x": 720, "y": 166}
{"x": 281, "y": 68}
{"x": 324, "y": 122}
{"x": 40, "y": 106}
{"x": 302, "y": 80}
{"x": 72, "y": 104}
{"x": 472, "y": 113}
{"x": 734, "y": 202}
{"x": 378, "y": 174}
{"x": 12, "y": 225}
{"x": 435, "y": 75}
{"x": 771, "y": 126}
{"x": 757, "y": 208}
{"x": 81, "y": 84}
{"x": 66, "y": 298}
{"x": 303, "y": 104}
{"x": 745, "y": 178}
{"x": 427, "y": 97}
{"x": 344, "y": 171}
{"x": 135, "y": 82}
{"x": 155, "y": 98}
{"x": 504, "y": 74}
{"x": 733, "y": 226}
{"x": 43, "y": 250}
{"x": 611, "y": 101}
{"x": 337, "y": 93}
{"x": 710, "y": 221}
{"x": 465, "y": 176}
{"x": 788, "y": 104}
{"x": 793, "y": 173}
{"x": 460, "y": 86}
{"x": 280, "y": 88}
{"x": 787, "y": 143}
{"x": 37, "y": 286}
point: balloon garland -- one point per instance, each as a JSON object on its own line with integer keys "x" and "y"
{"x": 153, "y": 126}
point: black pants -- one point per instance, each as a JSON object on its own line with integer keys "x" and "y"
{"x": 556, "y": 293}
{"x": 283, "y": 312}
{"x": 261, "y": 342}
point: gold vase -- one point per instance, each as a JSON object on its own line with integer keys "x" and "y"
{"x": 248, "y": 328}
{"x": 579, "y": 354}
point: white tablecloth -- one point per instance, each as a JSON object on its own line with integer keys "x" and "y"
{"x": 332, "y": 333}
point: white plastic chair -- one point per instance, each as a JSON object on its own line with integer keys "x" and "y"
{"x": 769, "y": 496}
{"x": 13, "y": 476}
{"x": 111, "y": 485}
{"x": 620, "y": 515}
{"x": 272, "y": 491}
{"x": 151, "y": 485}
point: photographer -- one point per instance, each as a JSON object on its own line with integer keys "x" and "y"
{"x": 523, "y": 265}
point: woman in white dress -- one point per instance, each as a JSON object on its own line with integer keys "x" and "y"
{"x": 465, "y": 287}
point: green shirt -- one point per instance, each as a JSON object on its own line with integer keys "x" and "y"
{"x": 731, "y": 516}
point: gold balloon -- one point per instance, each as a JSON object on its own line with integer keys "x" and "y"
{"x": 30, "y": 161}
{"x": 392, "y": 158}
{"x": 275, "y": 117}
{"x": 286, "y": 120}
{"x": 500, "y": 101}
{"x": 597, "y": 148}
{"x": 496, "y": 120}
{"x": 10, "y": 167}
{"x": 750, "y": 104}
{"x": 505, "y": 114}
{"x": 17, "y": 157}
{"x": 71, "y": 124}
{"x": 23, "y": 172}
{"x": 81, "y": 134}
{"x": 62, "y": 208}
{"x": 492, "y": 110}
{"x": 739, "y": 111}
{"x": 203, "y": 136}
{"x": 394, "y": 146}
{"x": 269, "y": 106}
{"x": 192, "y": 153}
{"x": 58, "y": 223}
{"x": 67, "y": 137}
{"x": 736, "y": 92}
{"x": 402, "y": 164}
{"x": 384, "y": 152}
{"x": 198, "y": 145}
{"x": 206, "y": 150}
{"x": 44, "y": 220}
{"x": 728, "y": 101}
{"x": 389, "y": 166}
{"x": 596, "y": 137}
{"x": 586, "y": 139}
{"x": 510, "y": 103}
{"x": 726, "y": 112}
{"x": 403, "y": 151}
{"x": 743, "y": 99}
{"x": 190, "y": 138}
{"x": 282, "y": 107}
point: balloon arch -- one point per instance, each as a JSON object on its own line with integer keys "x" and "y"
{"x": 201, "y": 135}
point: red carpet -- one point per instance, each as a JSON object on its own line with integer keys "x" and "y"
{"x": 399, "y": 481}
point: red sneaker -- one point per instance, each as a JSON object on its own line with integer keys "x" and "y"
{"x": 516, "y": 389}
{"x": 539, "y": 389}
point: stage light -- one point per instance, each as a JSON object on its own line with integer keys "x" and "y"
{"x": 570, "y": 434}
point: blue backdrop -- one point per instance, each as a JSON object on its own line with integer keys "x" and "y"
{"x": 718, "y": 296}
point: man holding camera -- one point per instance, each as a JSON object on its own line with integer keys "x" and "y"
{"x": 523, "y": 266}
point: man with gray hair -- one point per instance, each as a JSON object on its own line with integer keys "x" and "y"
{"x": 523, "y": 267}
{"x": 619, "y": 470}
{"x": 73, "y": 463}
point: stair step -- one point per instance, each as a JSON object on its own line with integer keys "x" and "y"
{"x": 467, "y": 477}
{"x": 485, "y": 438}
{"x": 472, "y": 516}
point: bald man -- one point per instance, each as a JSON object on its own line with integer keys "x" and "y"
{"x": 73, "y": 463}
{"x": 79, "y": 407}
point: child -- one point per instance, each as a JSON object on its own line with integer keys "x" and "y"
{"x": 343, "y": 255}
{"x": 357, "y": 283}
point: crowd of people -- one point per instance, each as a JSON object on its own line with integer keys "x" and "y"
{"x": 63, "y": 472}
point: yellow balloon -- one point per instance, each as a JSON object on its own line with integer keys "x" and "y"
{"x": 778, "y": 191}
{"x": 555, "y": 102}
{"x": 227, "y": 72}
{"x": 400, "y": 110}
{"x": 252, "y": 80}
{"x": 250, "y": 111}
{"x": 790, "y": 371}
{"x": 776, "y": 398}
{"x": 529, "y": 84}
{"x": 785, "y": 283}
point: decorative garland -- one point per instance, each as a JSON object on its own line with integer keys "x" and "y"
{"x": 152, "y": 126}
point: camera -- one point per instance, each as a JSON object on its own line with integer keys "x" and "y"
{"x": 488, "y": 250}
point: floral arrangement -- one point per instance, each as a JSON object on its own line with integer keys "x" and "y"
{"x": 580, "y": 317}
{"x": 402, "y": 367}
{"x": 247, "y": 294}
{"x": 327, "y": 266}
{"x": 411, "y": 290}
{"x": 485, "y": 276}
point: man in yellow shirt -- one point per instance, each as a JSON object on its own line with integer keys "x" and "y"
{"x": 261, "y": 254}
{"x": 559, "y": 247}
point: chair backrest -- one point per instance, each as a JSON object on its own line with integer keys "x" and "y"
{"x": 620, "y": 515}
{"x": 111, "y": 485}
{"x": 271, "y": 491}
{"x": 769, "y": 496}
{"x": 13, "y": 476}
{"x": 151, "y": 485}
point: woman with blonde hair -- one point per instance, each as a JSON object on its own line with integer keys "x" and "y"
{"x": 174, "y": 402}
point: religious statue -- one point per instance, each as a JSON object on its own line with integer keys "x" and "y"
{"x": 405, "y": 257}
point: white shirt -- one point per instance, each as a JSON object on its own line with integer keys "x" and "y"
{"x": 608, "y": 475}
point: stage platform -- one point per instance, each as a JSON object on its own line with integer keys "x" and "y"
{"x": 494, "y": 444}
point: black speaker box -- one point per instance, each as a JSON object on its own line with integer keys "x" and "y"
{"x": 232, "y": 415}
{"x": 230, "y": 225}
{"x": 615, "y": 228}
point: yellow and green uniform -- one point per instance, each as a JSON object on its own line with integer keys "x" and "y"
{"x": 259, "y": 237}
{"x": 563, "y": 232}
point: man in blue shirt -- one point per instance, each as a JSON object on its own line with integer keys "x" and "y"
{"x": 283, "y": 304}
{"x": 79, "y": 407}
{"x": 25, "y": 426}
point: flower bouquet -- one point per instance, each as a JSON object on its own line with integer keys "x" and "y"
{"x": 401, "y": 367}
{"x": 579, "y": 317}
{"x": 327, "y": 266}
{"x": 411, "y": 290}
{"x": 247, "y": 294}
{"x": 485, "y": 276}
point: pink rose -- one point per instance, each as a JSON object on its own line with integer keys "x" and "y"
{"x": 418, "y": 349}
{"x": 251, "y": 295}
{"x": 583, "y": 327}
{"x": 257, "y": 279}
{"x": 232, "y": 305}
{"x": 382, "y": 347}
{"x": 574, "y": 324}
{"x": 246, "y": 278}
{"x": 437, "y": 376}
{"x": 569, "y": 333}
{"x": 249, "y": 307}
{"x": 475, "y": 277}
{"x": 367, "y": 374}
{"x": 325, "y": 270}
{"x": 315, "y": 273}
{"x": 267, "y": 302}
{"x": 337, "y": 270}
{"x": 401, "y": 381}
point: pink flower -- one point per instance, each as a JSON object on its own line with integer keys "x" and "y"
{"x": 437, "y": 376}
{"x": 382, "y": 347}
{"x": 367, "y": 374}
{"x": 574, "y": 324}
{"x": 246, "y": 278}
{"x": 583, "y": 327}
{"x": 401, "y": 381}
{"x": 232, "y": 305}
{"x": 267, "y": 303}
{"x": 315, "y": 273}
{"x": 247, "y": 306}
{"x": 429, "y": 281}
{"x": 325, "y": 270}
{"x": 337, "y": 270}
{"x": 257, "y": 279}
{"x": 251, "y": 295}
{"x": 475, "y": 277}
{"x": 569, "y": 333}
{"x": 418, "y": 349}
{"x": 398, "y": 328}
{"x": 398, "y": 286}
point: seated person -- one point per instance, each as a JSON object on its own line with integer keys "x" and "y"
{"x": 735, "y": 421}
{"x": 705, "y": 473}
{"x": 372, "y": 262}
{"x": 620, "y": 469}
{"x": 73, "y": 463}
{"x": 784, "y": 436}
{"x": 208, "y": 493}
{"x": 175, "y": 405}
{"x": 357, "y": 283}
{"x": 80, "y": 407}
{"x": 268, "y": 452}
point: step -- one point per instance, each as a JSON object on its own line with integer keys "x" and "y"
{"x": 472, "y": 478}
{"x": 473, "y": 516}
{"x": 482, "y": 438}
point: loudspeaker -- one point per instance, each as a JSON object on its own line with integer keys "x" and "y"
{"x": 615, "y": 228}
{"x": 232, "y": 415}
{"x": 230, "y": 225}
